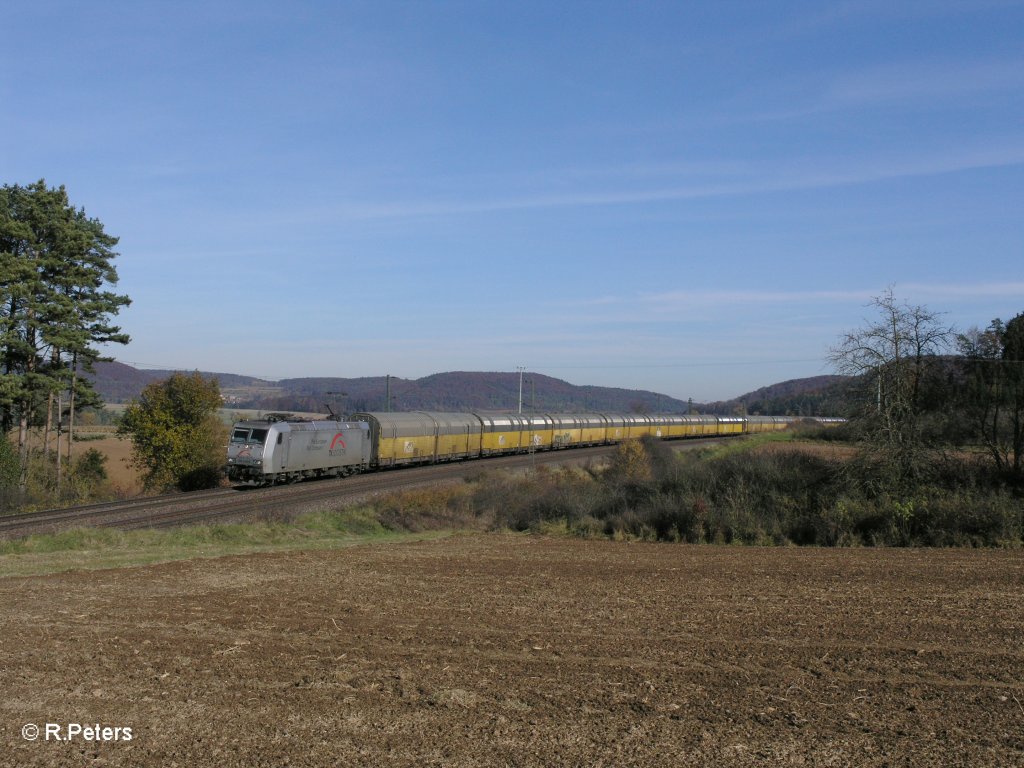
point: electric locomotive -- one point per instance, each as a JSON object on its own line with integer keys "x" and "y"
{"x": 278, "y": 449}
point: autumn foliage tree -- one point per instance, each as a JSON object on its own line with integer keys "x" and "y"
{"x": 177, "y": 439}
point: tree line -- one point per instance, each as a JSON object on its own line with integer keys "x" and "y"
{"x": 936, "y": 457}
{"x": 56, "y": 307}
{"x": 921, "y": 388}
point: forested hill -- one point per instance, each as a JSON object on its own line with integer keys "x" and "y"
{"x": 461, "y": 390}
{"x": 464, "y": 390}
{"x": 118, "y": 383}
{"x": 813, "y": 396}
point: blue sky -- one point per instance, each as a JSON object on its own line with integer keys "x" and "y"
{"x": 694, "y": 198}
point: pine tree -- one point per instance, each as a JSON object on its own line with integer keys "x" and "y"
{"x": 55, "y": 306}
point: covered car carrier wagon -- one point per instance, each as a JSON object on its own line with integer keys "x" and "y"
{"x": 422, "y": 436}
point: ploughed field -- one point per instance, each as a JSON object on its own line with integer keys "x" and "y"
{"x": 524, "y": 650}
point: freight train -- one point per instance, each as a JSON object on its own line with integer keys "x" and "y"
{"x": 284, "y": 449}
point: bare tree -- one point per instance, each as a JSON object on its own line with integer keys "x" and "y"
{"x": 893, "y": 356}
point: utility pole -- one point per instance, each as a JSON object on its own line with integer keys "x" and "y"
{"x": 387, "y": 392}
{"x": 520, "y": 369}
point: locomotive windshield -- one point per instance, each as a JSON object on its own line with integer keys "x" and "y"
{"x": 245, "y": 435}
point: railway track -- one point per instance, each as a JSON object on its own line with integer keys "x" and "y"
{"x": 234, "y": 505}
{"x": 52, "y": 520}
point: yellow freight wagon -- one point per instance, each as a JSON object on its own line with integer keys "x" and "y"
{"x": 766, "y": 423}
{"x": 674, "y": 426}
{"x": 703, "y": 425}
{"x": 637, "y": 426}
{"x": 458, "y": 435}
{"x": 565, "y": 431}
{"x": 615, "y": 427}
{"x": 503, "y": 433}
{"x": 731, "y": 425}
{"x": 660, "y": 426}
{"x": 400, "y": 438}
{"x": 421, "y": 437}
{"x": 593, "y": 428}
{"x": 538, "y": 432}
{"x": 578, "y": 429}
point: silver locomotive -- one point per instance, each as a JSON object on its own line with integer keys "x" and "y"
{"x": 279, "y": 449}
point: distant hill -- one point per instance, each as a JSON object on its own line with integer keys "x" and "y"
{"x": 118, "y": 383}
{"x": 469, "y": 390}
{"x": 458, "y": 390}
{"x": 813, "y": 396}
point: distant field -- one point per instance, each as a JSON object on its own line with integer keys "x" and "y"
{"x": 118, "y": 451}
{"x": 230, "y": 415}
{"x": 101, "y": 437}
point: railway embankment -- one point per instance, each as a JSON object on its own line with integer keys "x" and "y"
{"x": 764, "y": 491}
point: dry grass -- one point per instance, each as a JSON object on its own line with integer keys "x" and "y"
{"x": 118, "y": 452}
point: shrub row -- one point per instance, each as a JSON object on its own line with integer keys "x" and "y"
{"x": 754, "y": 497}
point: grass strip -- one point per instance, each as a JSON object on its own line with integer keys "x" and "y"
{"x": 97, "y": 548}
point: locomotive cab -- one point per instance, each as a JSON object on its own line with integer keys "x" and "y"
{"x": 247, "y": 451}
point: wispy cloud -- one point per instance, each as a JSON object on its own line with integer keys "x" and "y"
{"x": 750, "y": 297}
{"x": 761, "y": 181}
{"x": 916, "y": 85}
{"x": 909, "y": 291}
{"x": 914, "y": 82}
{"x": 963, "y": 290}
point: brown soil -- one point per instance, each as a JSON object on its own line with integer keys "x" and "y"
{"x": 512, "y": 650}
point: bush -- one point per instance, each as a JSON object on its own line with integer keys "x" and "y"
{"x": 177, "y": 438}
{"x": 91, "y": 467}
{"x": 756, "y": 497}
{"x": 522, "y": 503}
{"x": 200, "y": 478}
{"x": 426, "y": 509}
{"x": 737, "y": 495}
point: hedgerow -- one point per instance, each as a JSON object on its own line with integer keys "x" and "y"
{"x": 755, "y": 497}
